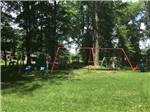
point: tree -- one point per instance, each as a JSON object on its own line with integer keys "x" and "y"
{"x": 148, "y": 19}
{"x": 7, "y": 35}
{"x": 96, "y": 33}
{"x": 102, "y": 25}
{"x": 88, "y": 24}
{"x": 128, "y": 29}
{"x": 26, "y": 20}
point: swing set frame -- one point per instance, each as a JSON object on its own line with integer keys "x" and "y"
{"x": 92, "y": 50}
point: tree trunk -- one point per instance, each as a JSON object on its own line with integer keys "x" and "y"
{"x": 40, "y": 40}
{"x": 28, "y": 38}
{"x": 54, "y": 38}
{"x": 96, "y": 34}
{"x": 28, "y": 58}
{"x": 55, "y": 11}
{"x": 5, "y": 58}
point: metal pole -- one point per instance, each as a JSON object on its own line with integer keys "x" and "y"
{"x": 53, "y": 64}
{"x": 128, "y": 59}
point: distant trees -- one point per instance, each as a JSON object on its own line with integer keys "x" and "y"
{"x": 128, "y": 30}
{"x": 148, "y": 21}
{"x": 43, "y": 25}
{"x": 8, "y": 40}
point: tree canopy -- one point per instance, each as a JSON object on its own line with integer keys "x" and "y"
{"x": 43, "y": 26}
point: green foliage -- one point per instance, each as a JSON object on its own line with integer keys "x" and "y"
{"x": 128, "y": 29}
{"x": 147, "y": 21}
{"x": 47, "y": 25}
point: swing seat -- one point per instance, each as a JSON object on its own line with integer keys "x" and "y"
{"x": 28, "y": 68}
{"x": 42, "y": 69}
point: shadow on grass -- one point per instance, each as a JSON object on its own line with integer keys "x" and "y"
{"x": 25, "y": 83}
{"x": 14, "y": 82}
{"x": 22, "y": 89}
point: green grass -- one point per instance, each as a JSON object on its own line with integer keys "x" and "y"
{"x": 80, "y": 91}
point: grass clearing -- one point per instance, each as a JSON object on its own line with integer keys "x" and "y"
{"x": 81, "y": 91}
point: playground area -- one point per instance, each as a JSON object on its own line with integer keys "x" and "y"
{"x": 75, "y": 56}
{"x": 78, "y": 91}
{"x": 71, "y": 84}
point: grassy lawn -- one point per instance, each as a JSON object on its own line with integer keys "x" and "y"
{"x": 80, "y": 91}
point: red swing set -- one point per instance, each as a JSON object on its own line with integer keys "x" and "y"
{"x": 92, "y": 50}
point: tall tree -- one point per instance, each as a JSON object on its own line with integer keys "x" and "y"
{"x": 8, "y": 33}
{"x": 96, "y": 32}
{"x": 26, "y": 20}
